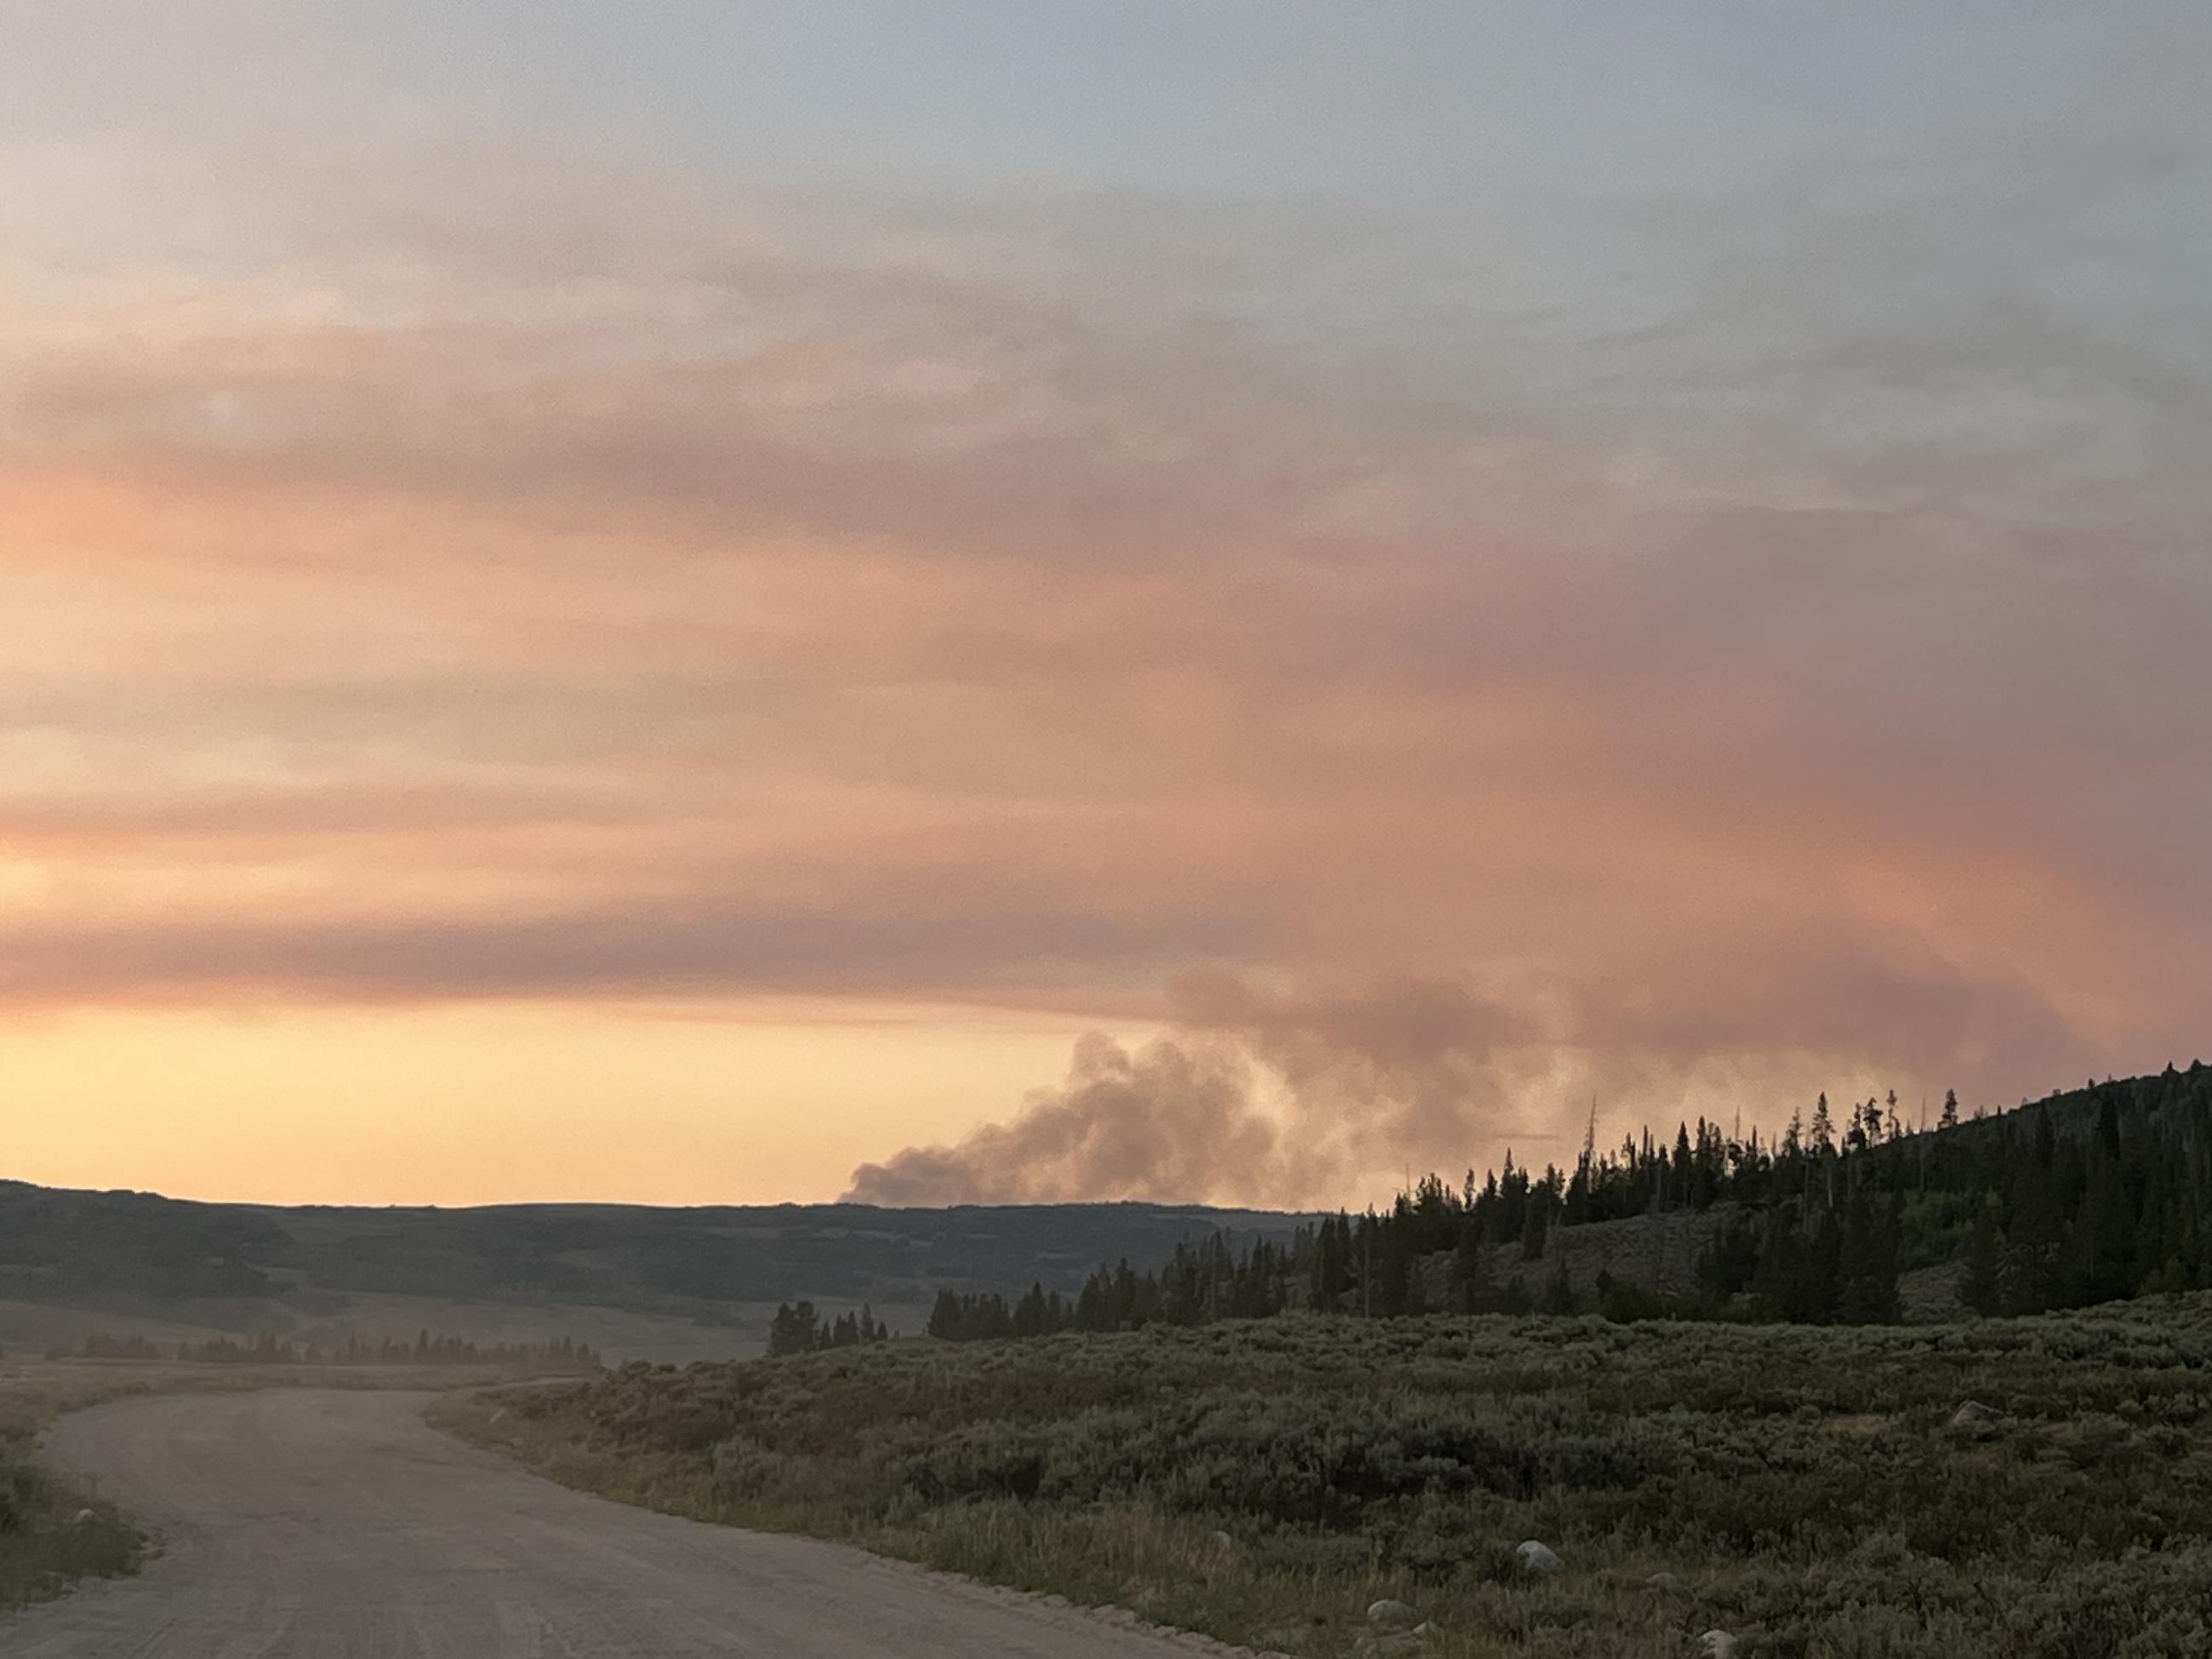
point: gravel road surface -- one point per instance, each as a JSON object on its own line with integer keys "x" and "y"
{"x": 315, "y": 1525}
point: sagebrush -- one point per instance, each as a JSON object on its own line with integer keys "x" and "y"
{"x": 1805, "y": 1487}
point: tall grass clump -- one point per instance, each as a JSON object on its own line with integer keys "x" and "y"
{"x": 51, "y": 1534}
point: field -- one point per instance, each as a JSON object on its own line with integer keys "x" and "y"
{"x": 51, "y": 1532}
{"x": 1805, "y": 1489}
{"x": 632, "y": 1281}
{"x": 619, "y": 1333}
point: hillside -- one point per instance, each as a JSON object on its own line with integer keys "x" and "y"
{"x": 1853, "y": 1216}
{"x": 632, "y": 1281}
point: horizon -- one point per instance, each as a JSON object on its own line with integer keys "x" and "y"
{"x": 1757, "y": 1139}
{"x": 1099, "y": 604}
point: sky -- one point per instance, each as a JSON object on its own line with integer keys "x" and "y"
{"x": 729, "y": 603}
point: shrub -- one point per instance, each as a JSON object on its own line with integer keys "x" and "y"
{"x": 1802, "y": 1482}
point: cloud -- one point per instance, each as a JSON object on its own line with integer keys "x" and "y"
{"x": 475, "y": 582}
{"x": 927, "y": 952}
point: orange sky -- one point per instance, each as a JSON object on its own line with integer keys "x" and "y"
{"x": 583, "y": 679}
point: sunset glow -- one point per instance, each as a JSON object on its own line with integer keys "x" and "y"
{"x": 598, "y": 606}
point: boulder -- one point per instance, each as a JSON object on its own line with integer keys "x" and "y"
{"x": 1718, "y": 1645}
{"x": 1225, "y": 1543}
{"x": 1662, "y": 1581}
{"x": 1535, "y": 1557}
{"x": 1388, "y": 1614}
{"x": 1972, "y": 1414}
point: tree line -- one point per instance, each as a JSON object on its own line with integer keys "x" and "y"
{"x": 802, "y": 1328}
{"x": 2100, "y": 1193}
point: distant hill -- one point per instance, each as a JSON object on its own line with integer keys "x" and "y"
{"x": 636, "y": 1282}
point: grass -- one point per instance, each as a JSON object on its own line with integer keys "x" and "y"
{"x": 1264, "y": 1482}
{"x": 53, "y": 1532}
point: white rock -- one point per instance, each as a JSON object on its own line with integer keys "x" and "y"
{"x": 1225, "y": 1543}
{"x": 1537, "y": 1557}
{"x": 1719, "y": 1644}
{"x": 1662, "y": 1581}
{"x": 84, "y": 1518}
{"x": 1388, "y": 1614}
{"x": 1971, "y": 1412}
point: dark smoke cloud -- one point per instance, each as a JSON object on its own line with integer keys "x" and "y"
{"x": 1191, "y": 1116}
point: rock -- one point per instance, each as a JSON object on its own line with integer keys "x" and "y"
{"x": 84, "y": 1518}
{"x": 1388, "y": 1614}
{"x": 1662, "y": 1581}
{"x": 1404, "y": 1641}
{"x": 1399, "y": 1642}
{"x": 1973, "y": 1413}
{"x": 1719, "y": 1644}
{"x": 1537, "y": 1557}
{"x": 1225, "y": 1543}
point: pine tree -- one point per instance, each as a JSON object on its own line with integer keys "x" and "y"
{"x": 1394, "y": 1280}
{"x": 1470, "y": 1273}
{"x": 2033, "y": 1237}
{"x": 1533, "y": 1233}
{"x": 1982, "y": 1289}
{"x": 1819, "y": 1286}
{"x": 1559, "y": 1290}
{"x": 793, "y": 1329}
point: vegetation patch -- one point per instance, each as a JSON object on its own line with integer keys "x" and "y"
{"x": 1814, "y": 1492}
{"x": 52, "y": 1533}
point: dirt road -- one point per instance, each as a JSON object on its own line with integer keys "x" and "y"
{"x": 315, "y": 1525}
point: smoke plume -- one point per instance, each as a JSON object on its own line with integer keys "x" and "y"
{"x": 1255, "y": 1098}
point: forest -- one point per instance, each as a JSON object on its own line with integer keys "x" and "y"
{"x": 2091, "y": 1195}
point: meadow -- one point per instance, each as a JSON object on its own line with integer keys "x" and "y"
{"x": 1807, "y": 1490}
